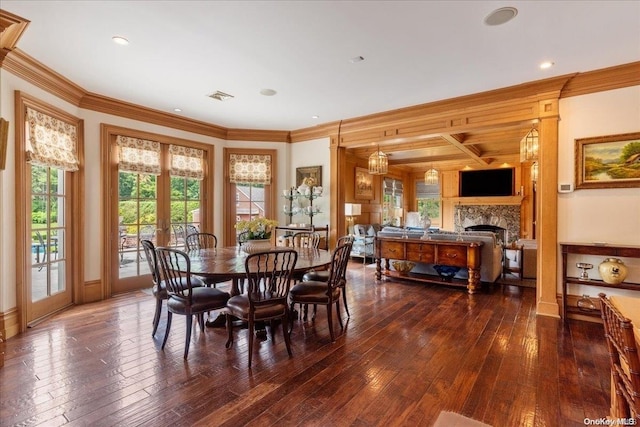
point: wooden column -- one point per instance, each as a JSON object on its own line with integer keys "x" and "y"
{"x": 547, "y": 216}
{"x": 338, "y": 166}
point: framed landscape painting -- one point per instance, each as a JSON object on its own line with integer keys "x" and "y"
{"x": 363, "y": 184}
{"x": 608, "y": 161}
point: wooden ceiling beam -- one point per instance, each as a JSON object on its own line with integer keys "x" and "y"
{"x": 473, "y": 152}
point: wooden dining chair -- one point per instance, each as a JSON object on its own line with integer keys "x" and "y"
{"x": 196, "y": 241}
{"x": 325, "y": 293}
{"x": 306, "y": 239}
{"x": 268, "y": 276}
{"x": 183, "y": 297}
{"x": 323, "y": 275}
{"x": 625, "y": 363}
{"x": 158, "y": 288}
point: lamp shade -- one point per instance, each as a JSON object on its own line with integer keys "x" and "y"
{"x": 352, "y": 209}
{"x": 431, "y": 177}
{"x": 397, "y": 212}
{"x": 378, "y": 163}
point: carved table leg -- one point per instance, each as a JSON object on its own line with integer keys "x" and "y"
{"x": 474, "y": 281}
{"x": 378, "y": 269}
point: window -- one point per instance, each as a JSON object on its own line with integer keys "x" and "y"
{"x": 249, "y": 190}
{"x": 428, "y": 200}
{"x": 392, "y": 201}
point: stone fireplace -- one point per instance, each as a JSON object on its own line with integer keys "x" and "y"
{"x": 489, "y": 217}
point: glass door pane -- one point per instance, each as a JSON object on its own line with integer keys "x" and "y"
{"x": 185, "y": 209}
{"x": 49, "y": 289}
{"x": 137, "y": 213}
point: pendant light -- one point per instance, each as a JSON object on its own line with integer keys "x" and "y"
{"x": 378, "y": 163}
{"x": 534, "y": 172}
{"x": 529, "y": 146}
{"x": 431, "y": 177}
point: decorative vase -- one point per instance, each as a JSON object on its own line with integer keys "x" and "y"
{"x": 613, "y": 271}
{"x": 256, "y": 245}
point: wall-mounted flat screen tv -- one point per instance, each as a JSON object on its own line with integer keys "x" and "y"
{"x": 489, "y": 182}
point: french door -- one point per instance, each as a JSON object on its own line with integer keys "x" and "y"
{"x": 146, "y": 212}
{"x": 158, "y": 204}
{"x": 50, "y": 282}
{"x": 49, "y": 189}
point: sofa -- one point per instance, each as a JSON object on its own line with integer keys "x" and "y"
{"x": 529, "y": 258}
{"x": 364, "y": 239}
{"x": 490, "y": 253}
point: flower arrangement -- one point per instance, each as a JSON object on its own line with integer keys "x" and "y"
{"x": 258, "y": 228}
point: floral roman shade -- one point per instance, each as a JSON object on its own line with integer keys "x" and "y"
{"x": 187, "y": 162}
{"x": 250, "y": 168}
{"x": 138, "y": 155}
{"x": 51, "y": 142}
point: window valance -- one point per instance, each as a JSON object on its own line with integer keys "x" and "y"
{"x": 250, "y": 168}
{"x": 138, "y": 155}
{"x": 51, "y": 142}
{"x": 187, "y": 162}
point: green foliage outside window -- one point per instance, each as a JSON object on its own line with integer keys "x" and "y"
{"x": 430, "y": 206}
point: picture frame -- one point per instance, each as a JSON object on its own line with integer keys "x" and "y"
{"x": 611, "y": 161}
{"x": 314, "y": 172}
{"x": 363, "y": 185}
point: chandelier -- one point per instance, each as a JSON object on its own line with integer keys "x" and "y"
{"x": 378, "y": 163}
{"x": 431, "y": 177}
{"x": 529, "y": 146}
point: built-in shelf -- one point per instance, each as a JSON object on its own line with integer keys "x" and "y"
{"x": 631, "y": 251}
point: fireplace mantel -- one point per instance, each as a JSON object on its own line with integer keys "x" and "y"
{"x": 500, "y": 200}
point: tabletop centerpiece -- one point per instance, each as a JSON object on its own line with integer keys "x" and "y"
{"x": 258, "y": 236}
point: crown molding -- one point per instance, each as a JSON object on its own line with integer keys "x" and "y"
{"x": 454, "y": 113}
{"x": 11, "y": 29}
{"x": 258, "y": 135}
{"x": 34, "y": 72}
{"x": 617, "y": 77}
{"x": 103, "y": 104}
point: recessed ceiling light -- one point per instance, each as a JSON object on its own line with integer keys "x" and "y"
{"x": 268, "y": 92}
{"x": 546, "y": 64}
{"x": 120, "y": 40}
{"x": 220, "y": 96}
{"x": 177, "y": 110}
{"x": 501, "y": 16}
{"x": 356, "y": 59}
{"x": 315, "y": 117}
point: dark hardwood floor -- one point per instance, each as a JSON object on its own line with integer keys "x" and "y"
{"x": 408, "y": 352}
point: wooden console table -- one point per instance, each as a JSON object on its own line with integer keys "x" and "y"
{"x": 606, "y": 250}
{"x": 463, "y": 254}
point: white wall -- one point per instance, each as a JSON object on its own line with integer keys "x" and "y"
{"x": 598, "y": 215}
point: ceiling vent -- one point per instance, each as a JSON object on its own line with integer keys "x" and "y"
{"x": 220, "y": 96}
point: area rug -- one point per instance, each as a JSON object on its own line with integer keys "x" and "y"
{"x": 451, "y": 419}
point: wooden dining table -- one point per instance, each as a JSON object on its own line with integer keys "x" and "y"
{"x": 228, "y": 263}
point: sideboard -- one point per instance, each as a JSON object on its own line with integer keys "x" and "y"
{"x": 463, "y": 254}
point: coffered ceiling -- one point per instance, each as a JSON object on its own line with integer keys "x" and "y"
{"x": 416, "y": 52}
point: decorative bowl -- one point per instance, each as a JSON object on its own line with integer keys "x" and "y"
{"x": 403, "y": 266}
